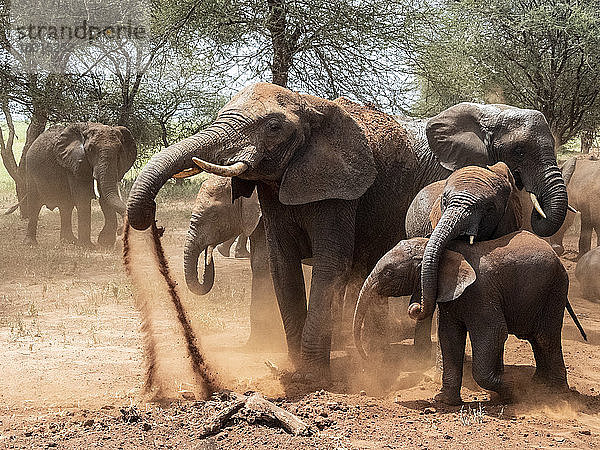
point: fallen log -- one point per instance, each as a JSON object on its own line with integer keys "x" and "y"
{"x": 290, "y": 422}
{"x": 252, "y": 409}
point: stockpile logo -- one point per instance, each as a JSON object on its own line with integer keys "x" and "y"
{"x": 57, "y": 35}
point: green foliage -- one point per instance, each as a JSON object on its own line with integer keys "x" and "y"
{"x": 531, "y": 53}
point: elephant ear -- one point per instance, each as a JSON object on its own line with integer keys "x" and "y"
{"x": 250, "y": 213}
{"x": 455, "y": 275}
{"x": 436, "y": 212}
{"x": 567, "y": 169}
{"x": 69, "y": 150}
{"x": 127, "y": 158}
{"x": 335, "y": 161}
{"x": 512, "y": 219}
{"x": 459, "y": 136}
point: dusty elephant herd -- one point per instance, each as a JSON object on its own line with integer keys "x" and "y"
{"x": 464, "y": 211}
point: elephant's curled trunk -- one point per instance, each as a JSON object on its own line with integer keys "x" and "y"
{"x": 368, "y": 296}
{"x": 141, "y": 207}
{"x": 191, "y": 255}
{"x": 552, "y": 192}
{"x": 449, "y": 227}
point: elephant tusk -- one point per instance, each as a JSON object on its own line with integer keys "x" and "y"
{"x": 570, "y": 208}
{"x": 471, "y": 239}
{"x": 224, "y": 171}
{"x": 187, "y": 173}
{"x": 209, "y": 255}
{"x": 96, "y": 192}
{"x": 537, "y": 206}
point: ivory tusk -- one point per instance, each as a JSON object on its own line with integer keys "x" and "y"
{"x": 187, "y": 173}
{"x": 536, "y": 205}
{"x": 224, "y": 171}
{"x": 471, "y": 239}
{"x": 209, "y": 255}
{"x": 570, "y": 208}
{"x": 96, "y": 191}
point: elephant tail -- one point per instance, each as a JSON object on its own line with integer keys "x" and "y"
{"x": 13, "y": 208}
{"x": 576, "y": 320}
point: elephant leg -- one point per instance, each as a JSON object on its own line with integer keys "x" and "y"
{"x": 288, "y": 282}
{"x": 333, "y": 248}
{"x": 34, "y": 207}
{"x": 488, "y": 361}
{"x": 266, "y": 331}
{"x": 326, "y": 296}
{"x": 108, "y": 234}
{"x": 585, "y": 238}
{"x": 84, "y": 225}
{"x": 225, "y": 247}
{"x": 342, "y": 327}
{"x": 547, "y": 350}
{"x": 241, "y": 250}
{"x": 453, "y": 336}
{"x": 66, "y": 224}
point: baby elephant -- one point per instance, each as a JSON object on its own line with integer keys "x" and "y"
{"x": 514, "y": 284}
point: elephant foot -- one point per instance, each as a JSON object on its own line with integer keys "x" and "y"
{"x": 106, "y": 240}
{"x": 452, "y": 399}
{"x": 242, "y": 254}
{"x": 31, "y": 241}
{"x": 316, "y": 378}
{"x": 504, "y": 395}
{"x": 68, "y": 239}
{"x": 87, "y": 244}
{"x": 317, "y": 374}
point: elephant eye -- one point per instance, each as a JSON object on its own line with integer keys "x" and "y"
{"x": 273, "y": 125}
{"x": 519, "y": 152}
{"x": 387, "y": 273}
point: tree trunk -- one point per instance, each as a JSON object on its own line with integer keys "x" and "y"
{"x": 6, "y": 147}
{"x": 284, "y": 45}
{"x": 587, "y": 140}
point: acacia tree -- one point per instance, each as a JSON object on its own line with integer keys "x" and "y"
{"x": 323, "y": 47}
{"x": 529, "y": 53}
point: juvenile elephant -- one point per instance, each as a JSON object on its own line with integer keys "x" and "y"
{"x": 474, "y": 202}
{"x": 587, "y": 272}
{"x": 486, "y": 290}
{"x": 582, "y": 177}
{"x": 216, "y": 219}
{"x": 61, "y": 166}
{"x": 334, "y": 181}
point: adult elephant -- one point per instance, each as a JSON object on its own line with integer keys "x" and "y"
{"x": 216, "y": 219}
{"x": 334, "y": 182}
{"x": 61, "y": 166}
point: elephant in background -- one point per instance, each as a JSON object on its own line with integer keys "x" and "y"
{"x": 582, "y": 177}
{"x": 216, "y": 219}
{"x": 586, "y": 272}
{"x": 334, "y": 182}
{"x": 484, "y": 289}
{"x": 61, "y": 167}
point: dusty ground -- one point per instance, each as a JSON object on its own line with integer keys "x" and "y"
{"x": 71, "y": 360}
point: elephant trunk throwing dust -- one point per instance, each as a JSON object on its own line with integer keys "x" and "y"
{"x": 163, "y": 358}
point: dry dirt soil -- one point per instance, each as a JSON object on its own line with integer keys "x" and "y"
{"x": 72, "y": 368}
